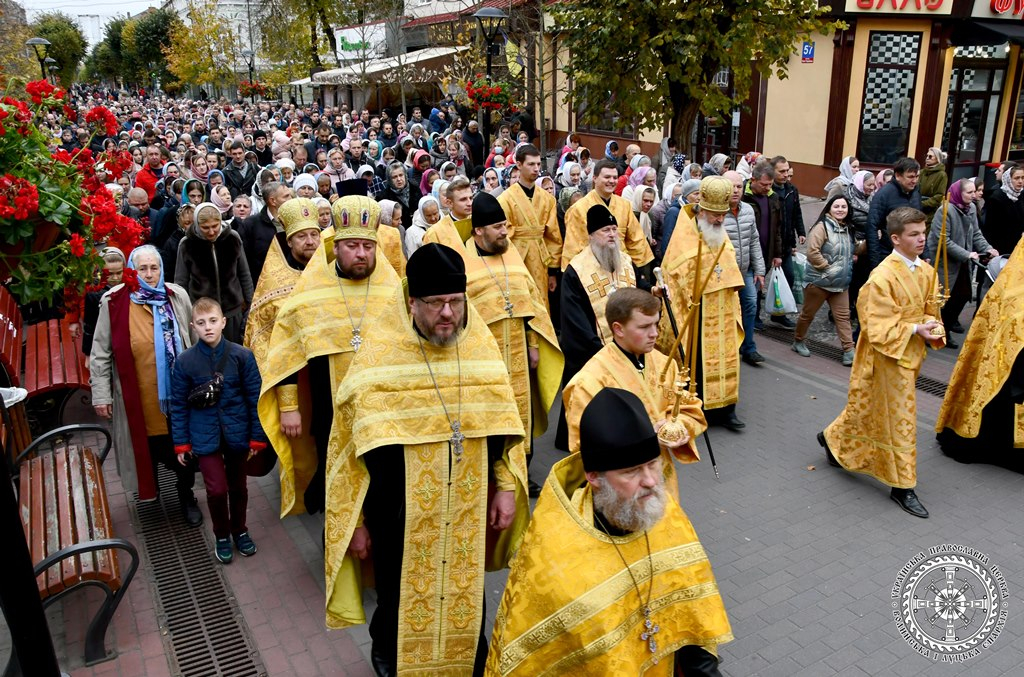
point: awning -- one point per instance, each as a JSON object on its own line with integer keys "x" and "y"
{"x": 987, "y": 33}
{"x": 416, "y": 67}
{"x": 303, "y": 81}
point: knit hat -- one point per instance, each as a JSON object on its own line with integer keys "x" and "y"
{"x": 690, "y": 186}
{"x": 434, "y": 270}
{"x": 306, "y": 180}
{"x": 298, "y": 214}
{"x": 599, "y": 217}
{"x": 616, "y": 432}
{"x": 487, "y": 210}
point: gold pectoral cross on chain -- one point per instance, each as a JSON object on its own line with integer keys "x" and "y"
{"x": 509, "y": 307}
{"x": 650, "y": 629}
{"x": 456, "y": 440}
{"x": 718, "y": 271}
{"x": 356, "y": 340}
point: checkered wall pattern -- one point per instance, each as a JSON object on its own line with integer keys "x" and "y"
{"x": 885, "y": 88}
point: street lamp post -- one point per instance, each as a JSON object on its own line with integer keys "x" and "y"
{"x": 39, "y": 46}
{"x": 490, "y": 20}
{"x": 53, "y": 73}
{"x": 248, "y": 55}
{"x": 51, "y": 65}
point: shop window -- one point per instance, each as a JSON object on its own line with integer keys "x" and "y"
{"x": 609, "y": 122}
{"x": 888, "y": 96}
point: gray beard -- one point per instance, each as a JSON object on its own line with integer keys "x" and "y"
{"x": 608, "y": 256}
{"x": 713, "y": 236}
{"x": 630, "y": 515}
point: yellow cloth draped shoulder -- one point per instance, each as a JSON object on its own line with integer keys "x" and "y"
{"x": 631, "y": 235}
{"x": 314, "y": 321}
{"x": 570, "y": 607}
{"x": 610, "y": 368}
{"x": 535, "y": 390}
{"x": 389, "y": 241}
{"x": 388, "y": 397}
{"x": 995, "y": 339}
{"x": 449, "y": 232}
{"x": 533, "y": 229}
{"x": 276, "y": 283}
{"x": 600, "y": 284}
{"x": 721, "y": 322}
{"x": 876, "y": 433}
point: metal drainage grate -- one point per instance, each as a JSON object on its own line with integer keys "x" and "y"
{"x": 202, "y": 622}
{"x": 925, "y": 384}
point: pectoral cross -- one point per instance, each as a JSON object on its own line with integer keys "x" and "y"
{"x": 600, "y": 285}
{"x": 718, "y": 271}
{"x": 509, "y": 307}
{"x": 456, "y": 440}
{"x": 356, "y": 340}
{"x": 650, "y": 629}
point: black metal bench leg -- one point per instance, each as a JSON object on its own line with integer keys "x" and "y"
{"x": 96, "y": 634}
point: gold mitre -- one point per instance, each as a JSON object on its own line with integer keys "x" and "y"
{"x": 355, "y": 217}
{"x": 715, "y": 192}
{"x": 298, "y": 213}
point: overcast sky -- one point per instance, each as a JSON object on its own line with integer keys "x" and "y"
{"x": 92, "y": 15}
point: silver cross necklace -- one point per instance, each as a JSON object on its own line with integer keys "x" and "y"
{"x": 356, "y": 339}
{"x": 506, "y": 293}
{"x": 650, "y": 627}
{"x": 457, "y": 438}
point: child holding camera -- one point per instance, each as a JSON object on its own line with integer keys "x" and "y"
{"x": 215, "y": 385}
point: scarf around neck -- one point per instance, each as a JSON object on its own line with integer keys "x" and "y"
{"x": 166, "y": 337}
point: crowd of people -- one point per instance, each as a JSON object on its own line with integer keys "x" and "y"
{"x": 388, "y": 310}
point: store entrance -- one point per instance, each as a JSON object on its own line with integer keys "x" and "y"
{"x": 972, "y": 109}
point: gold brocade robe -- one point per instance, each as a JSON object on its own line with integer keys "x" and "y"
{"x": 876, "y": 433}
{"x": 533, "y": 229}
{"x": 721, "y": 322}
{"x": 389, "y": 241}
{"x": 610, "y": 368}
{"x": 486, "y": 287}
{"x": 600, "y": 284}
{"x": 316, "y": 319}
{"x": 571, "y": 608}
{"x": 993, "y": 342}
{"x": 388, "y": 398}
{"x": 449, "y": 232}
{"x": 631, "y": 236}
{"x": 276, "y": 282}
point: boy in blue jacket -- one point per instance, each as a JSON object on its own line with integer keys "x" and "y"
{"x": 222, "y": 431}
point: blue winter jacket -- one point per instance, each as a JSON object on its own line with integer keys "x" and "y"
{"x": 234, "y": 417}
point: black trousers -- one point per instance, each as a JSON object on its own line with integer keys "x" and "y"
{"x": 695, "y": 661}
{"x": 161, "y": 450}
{"x": 959, "y": 295}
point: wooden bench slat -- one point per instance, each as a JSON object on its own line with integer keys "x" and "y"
{"x": 22, "y": 431}
{"x": 66, "y": 536}
{"x": 34, "y": 519}
{"x": 80, "y": 505}
{"x": 31, "y": 361}
{"x": 52, "y": 333}
{"x": 51, "y": 522}
{"x": 107, "y": 567}
{"x": 70, "y": 354}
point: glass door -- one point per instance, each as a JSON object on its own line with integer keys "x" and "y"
{"x": 972, "y": 112}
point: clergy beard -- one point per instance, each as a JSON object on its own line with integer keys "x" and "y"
{"x": 607, "y": 256}
{"x": 713, "y": 236}
{"x": 445, "y": 341}
{"x": 496, "y": 247}
{"x": 630, "y": 514}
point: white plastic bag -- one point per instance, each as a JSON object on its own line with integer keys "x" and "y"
{"x": 780, "y": 299}
{"x": 799, "y": 268}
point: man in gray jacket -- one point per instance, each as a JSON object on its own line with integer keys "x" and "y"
{"x": 741, "y": 226}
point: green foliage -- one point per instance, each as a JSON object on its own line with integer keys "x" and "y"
{"x": 152, "y": 36}
{"x": 67, "y": 43}
{"x": 660, "y": 64}
{"x": 14, "y": 61}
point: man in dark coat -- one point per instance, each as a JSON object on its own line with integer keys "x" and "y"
{"x": 902, "y": 191}
{"x": 767, "y": 206}
{"x": 239, "y": 175}
{"x": 259, "y": 230}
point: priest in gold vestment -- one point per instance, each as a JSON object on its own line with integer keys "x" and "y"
{"x": 533, "y": 221}
{"x": 427, "y": 477}
{"x": 631, "y": 362}
{"x": 289, "y": 253}
{"x": 327, "y": 317}
{"x": 502, "y": 290}
{"x": 695, "y": 256}
{"x": 876, "y": 434}
{"x": 455, "y": 228}
{"x": 631, "y": 235}
{"x": 982, "y": 416}
{"x": 611, "y": 578}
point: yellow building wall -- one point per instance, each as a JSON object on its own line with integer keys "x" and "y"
{"x": 796, "y": 107}
{"x": 859, "y": 69}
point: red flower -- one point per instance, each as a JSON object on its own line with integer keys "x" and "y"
{"x": 130, "y": 278}
{"x": 77, "y": 245}
{"x": 19, "y": 199}
{"x": 63, "y": 156}
{"x": 39, "y": 90}
{"x": 105, "y": 120}
{"x": 70, "y": 113}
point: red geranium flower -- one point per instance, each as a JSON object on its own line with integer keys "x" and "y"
{"x": 77, "y": 245}
{"x": 105, "y": 120}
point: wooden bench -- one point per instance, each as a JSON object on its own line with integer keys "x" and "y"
{"x": 66, "y": 517}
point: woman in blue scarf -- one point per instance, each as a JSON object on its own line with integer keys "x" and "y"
{"x": 139, "y": 333}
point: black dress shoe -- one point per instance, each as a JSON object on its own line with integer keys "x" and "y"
{"x": 534, "y": 489}
{"x": 828, "y": 452}
{"x": 190, "y": 509}
{"x": 956, "y": 328}
{"x": 783, "y": 321}
{"x": 732, "y": 422}
{"x": 754, "y": 359}
{"x": 950, "y": 343}
{"x": 908, "y": 500}
{"x": 381, "y": 666}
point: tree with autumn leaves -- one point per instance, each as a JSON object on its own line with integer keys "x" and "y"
{"x": 656, "y": 62}
{"x": 206, "y": 50}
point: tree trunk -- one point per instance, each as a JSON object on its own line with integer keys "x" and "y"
{"x": 314, "y": 53}
{"x": 331, "y": 39}
{"x": 684, "y": 116}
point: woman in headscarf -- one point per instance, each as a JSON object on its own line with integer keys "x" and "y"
{"x": 643, "y": 199}
{"x": 211, "y": 263}
{"x": 448, "y": 171}
{"x": 660, "y": 208}
{"x": 1004, "y": 212}
{"x": 547, "y": 183}
{"x": 215, "y": 178}
{"x": 287, "y": 167}
{"x": 263, "y": 177}
{"x": 572, "y": 144}
{"x": 718, "y": 165}
{"x": 419, "y": 166}
{"x": 858, "y": 198}
{"x": 373, "y": 149}
{"x": 438, "y": 150}
{"x": 674, "y": 173}
{"x": 221, "y": 199}
{"x": 933, "y": 182}
{"x": 391, "y": 235}
{"x": 457, "y": 155}
{"x": 569, "y": 196}
{"x": 610, "y": 150}
{"x": 323, "y": 211}
{"x": 847, "y": 168}
{"x": 642, "y": 176}
{"x": 427, "y": 181}
{"x": 193, "y": 192}
{"x": 746, "y": 163}
{"x": 139, "y": 333}
{"x": 570, "y": 175}
{"x": 401, "y": 191}
{"x": 197, "y": 167}
{"x": 883, "y": 177}
{"x": 305, "y": 186}
{"x": 427, "y": 214}
{"x": 508, "y": 175}
{"x": 491, "y": 182}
